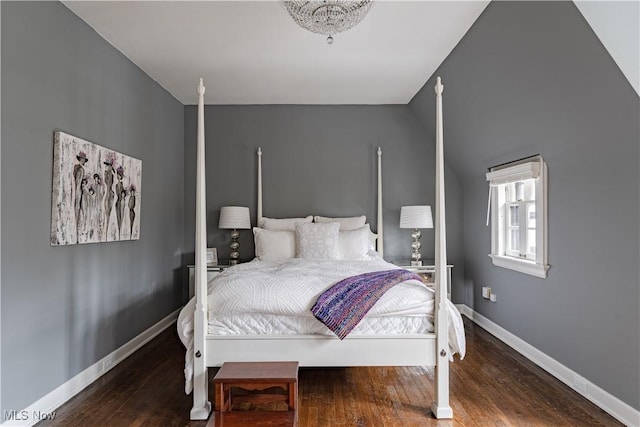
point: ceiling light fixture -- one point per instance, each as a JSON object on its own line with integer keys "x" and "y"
{"x": 327, "y": 17}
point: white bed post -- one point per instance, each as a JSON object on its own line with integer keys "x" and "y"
{"x": 380, "y": 225}
{"x": 440, "y": 406}
{"x": 259, "y": 219}
{"x": 201, "y": 406}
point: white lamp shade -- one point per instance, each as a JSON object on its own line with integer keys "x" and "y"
{"x": 416, "y": 217}
{"x": 234, "y": 217}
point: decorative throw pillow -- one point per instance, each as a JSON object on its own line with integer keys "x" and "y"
{"x": 317, "y": 241}
{"x": 274, "y": 245}
{"x": 280, "y": 224}
{"x": 346, "y": 223}
{"x": 354, "y": 245}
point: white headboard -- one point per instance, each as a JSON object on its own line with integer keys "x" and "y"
{"x": 380, "y": 222}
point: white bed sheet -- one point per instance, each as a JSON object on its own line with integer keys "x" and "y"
{"x": 276, "y": 298}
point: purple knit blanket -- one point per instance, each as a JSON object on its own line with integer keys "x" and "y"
{"x": 343, "y": 305}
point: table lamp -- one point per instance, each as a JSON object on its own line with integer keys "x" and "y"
{"x": 416, "y": 217}
{"x": 234, "y": 218}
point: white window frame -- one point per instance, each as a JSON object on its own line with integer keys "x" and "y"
{"x": 531, "y": 168}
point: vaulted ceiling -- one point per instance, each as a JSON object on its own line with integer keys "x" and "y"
{"x": 251, "y": 52}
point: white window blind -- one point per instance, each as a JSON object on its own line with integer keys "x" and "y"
{"x": 518, "y": 172}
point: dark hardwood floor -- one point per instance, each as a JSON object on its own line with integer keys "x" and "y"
{"x": 492, "y": 386}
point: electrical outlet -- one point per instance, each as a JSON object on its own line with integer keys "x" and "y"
{"x": 486, "y": 292}
{"x": 493, "y": 298}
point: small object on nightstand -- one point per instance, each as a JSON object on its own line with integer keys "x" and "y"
{"x": 212, "y": 271}
{"x": 234, "y": 218}
{"x": 427, "y": 271}
{"x": 416, "y": 217}
{"x": 212, "y": 256}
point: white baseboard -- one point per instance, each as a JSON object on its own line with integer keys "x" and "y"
{"x": 618, "y": 409}
{"x": 45, "y": 407}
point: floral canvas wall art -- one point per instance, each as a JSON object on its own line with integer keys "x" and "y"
{"x": 96, "y": 193}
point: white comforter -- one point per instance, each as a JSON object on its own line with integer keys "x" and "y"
{"x": 290, "y": 288}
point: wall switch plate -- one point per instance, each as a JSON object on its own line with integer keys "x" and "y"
{"x": 486, "y": 292}
{"x": 493, "y": 298}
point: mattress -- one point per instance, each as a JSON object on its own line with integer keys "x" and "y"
{"x": 272, "y": 324}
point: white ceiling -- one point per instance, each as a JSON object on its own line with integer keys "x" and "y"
{"x": 617, "y": 25}
{"x": 251, "y": 52}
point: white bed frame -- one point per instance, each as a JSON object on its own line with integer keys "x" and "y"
{"x": 318, "y": 350}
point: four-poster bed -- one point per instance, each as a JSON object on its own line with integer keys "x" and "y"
{"x": 430, "y": 348}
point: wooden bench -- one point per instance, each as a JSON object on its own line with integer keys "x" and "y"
{"x": 253, "y": 377}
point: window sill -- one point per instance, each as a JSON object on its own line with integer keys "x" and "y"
{"x": 523, "y": 266}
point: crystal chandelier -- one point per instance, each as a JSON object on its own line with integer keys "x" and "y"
{"x": 327, "y": 17}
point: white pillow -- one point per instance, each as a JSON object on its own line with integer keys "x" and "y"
{"x": 346, "y": 223}
{"x": 274, "y": 245}
{"x": 373, "y": 239}
{"x": 317, "y": 241}
{"x": 354, "y": 245}
{"x": 279, "y": 224}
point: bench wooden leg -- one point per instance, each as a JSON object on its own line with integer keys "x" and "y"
{"x": 293, "y": 396}
{"x": 219, "y": 402}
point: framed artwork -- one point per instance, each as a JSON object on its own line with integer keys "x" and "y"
{"x": 212, "y": 256}
{"x": 96, "y": 193}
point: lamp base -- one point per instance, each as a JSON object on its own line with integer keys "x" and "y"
{"x": 234, "y": 254}
{"x": 415, "y": 245}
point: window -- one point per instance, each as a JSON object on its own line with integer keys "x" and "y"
{"x": 518, "y": 216}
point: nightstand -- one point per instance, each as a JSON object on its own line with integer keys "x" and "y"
{"x": 426, "y": 270}
{"x": 212, "y": 271}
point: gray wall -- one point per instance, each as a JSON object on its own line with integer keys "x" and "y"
{"x": 528, "y": 78}
{"x": 64, "y": 308}
{"x": 319, "y": 160}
